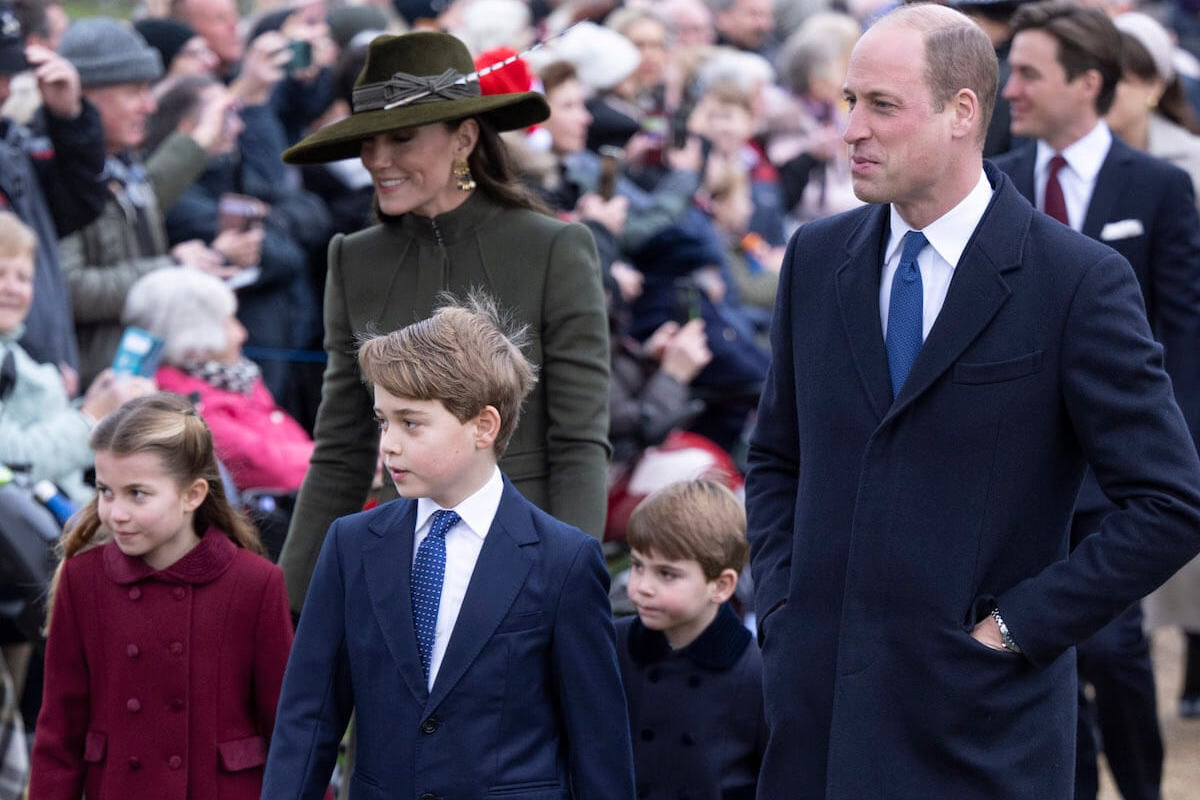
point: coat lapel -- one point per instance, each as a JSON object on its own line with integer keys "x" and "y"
{"x": 1112, "y": 180}
{"x": 387, "y": 563}
{"x": 858, "y": 300}
{"x": 504, "y": 562}
{"x": 977, "y": 290}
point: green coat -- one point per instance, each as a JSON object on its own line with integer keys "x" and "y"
{"x": 542, "y": 271}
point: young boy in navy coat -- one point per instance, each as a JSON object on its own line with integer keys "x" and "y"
{"x": 468, "y": 631}
{"x": 692, "y": 671}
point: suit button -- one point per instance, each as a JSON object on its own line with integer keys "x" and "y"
{"x": 176, "y": 648}
{"x": 133, "y": 705}
{"x": 428, "y": 796}
{"x": 179, "y": 592}
{"x": 174, "y": 762}
{"x": 429, "y": 726}
{"x": 177, "y": 703}
{"x": 647, "y": 735}
{"x": 135, "y": 593}
{"x": 135, "y": 763}
{"x": 132, "y": 650}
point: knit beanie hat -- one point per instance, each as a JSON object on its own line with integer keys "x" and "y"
{"x": 167, "y": 36}
{"x": 107, "y": 51}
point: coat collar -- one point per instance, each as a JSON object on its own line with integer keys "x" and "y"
{"x": 452, "y": 226}
{"x": 976, "y": 293}
{"x": 718, "y": 647}
{"x": 204, "y": 563}
{"x": 1113, "y": 181}
{"x": 500, "y": 572}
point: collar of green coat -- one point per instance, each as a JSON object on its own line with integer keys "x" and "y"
{"x": 452, "y": 226}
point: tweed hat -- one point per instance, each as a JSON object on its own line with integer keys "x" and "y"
{"x": 107, "y": 51}
{"x": 12, "y": 42}
{"x": 412, "y": 80}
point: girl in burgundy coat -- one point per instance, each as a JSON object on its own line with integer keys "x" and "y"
{"x": 169, "y": 634}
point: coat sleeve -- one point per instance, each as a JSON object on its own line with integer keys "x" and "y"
{"x": 347, "y": 442}
{"x": 57, "y": 769}
{"x": 587, "y": 680}
{"x": 71, "y": 180}
{"x": 98, "y": 291}
{"x": 316, "y": 700}
{"x": 774, "y": 459}
{"x": 273, "y": 638}
{"x": 575, "y": 372}
{"x": 1133, "y": 435}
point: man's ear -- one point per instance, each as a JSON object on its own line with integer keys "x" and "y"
{"x": 724, "y": 585}
{"x": 966, "y": 113}
{"x": 487, "y": 427}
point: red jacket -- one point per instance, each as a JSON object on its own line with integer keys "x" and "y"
{"x": 162, "y": 684}
{"x": 258, "y": 442}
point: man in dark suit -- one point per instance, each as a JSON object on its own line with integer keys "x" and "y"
{"x": 946, "y": 363}
{"x": 1065, "y": 66}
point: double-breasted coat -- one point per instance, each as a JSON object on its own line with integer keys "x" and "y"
{"x": 882, "y": 531}
{"x": 542, "y": 271}
{"x": 162, "y": 684}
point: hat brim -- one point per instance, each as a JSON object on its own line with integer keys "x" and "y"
{"x": 12, "y": 60}
{"x": 343, "y": 139}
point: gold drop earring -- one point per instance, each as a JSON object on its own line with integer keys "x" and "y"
{"x": 462, "y": 175}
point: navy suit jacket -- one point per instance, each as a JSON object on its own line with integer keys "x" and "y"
{"x": 528, "y": 700}
{"x": 881, "y": 531}
{"x": 1165, "y": 256}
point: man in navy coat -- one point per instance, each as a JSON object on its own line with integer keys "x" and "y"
{"x": 1066, "y": 64}
{"x": 910, "y": 493}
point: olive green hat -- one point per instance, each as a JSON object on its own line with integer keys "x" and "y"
{"x": 410, "y": 80}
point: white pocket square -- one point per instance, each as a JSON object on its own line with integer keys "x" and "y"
{"x": 1123, "y": 229}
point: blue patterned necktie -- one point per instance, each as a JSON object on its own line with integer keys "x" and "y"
{"x": 426, "y": 586}
{"x": 904, "y": 338}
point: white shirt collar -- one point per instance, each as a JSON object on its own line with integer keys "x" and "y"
{"x": 476, "y": 512}
{"x": 1084, "y": 157}
{"x": 949, "y": 233}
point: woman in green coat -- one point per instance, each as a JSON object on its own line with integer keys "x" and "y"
{"x": 454, "y": 218}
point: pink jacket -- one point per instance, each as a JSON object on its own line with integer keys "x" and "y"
{"x": 260, "y": 445}
{"x": 162, "y": 684}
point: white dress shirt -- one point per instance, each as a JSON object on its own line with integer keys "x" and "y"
{"x": 463, "y": 543}
{"x": 1078, "y": 178}
{"x": 948, "y": 236}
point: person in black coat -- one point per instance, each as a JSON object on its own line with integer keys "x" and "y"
{"x": 691, "y": 670}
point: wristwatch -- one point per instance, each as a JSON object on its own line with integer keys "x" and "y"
{"x": 1010, "y": 644}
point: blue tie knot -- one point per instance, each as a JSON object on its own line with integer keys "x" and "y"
{"x": 443, "y": 521}
{"x": 905, "y": 311}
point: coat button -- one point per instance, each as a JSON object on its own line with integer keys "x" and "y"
{"x": 429, "y": 726}
{"x": 179, "y": 592}
{"x": 135, "y": 593}
{"x": 428, "y": 796}
{"x": 174, "y": 762}
{"x": 132, "y": 650}
{"x": 135, "y": 763}
{"x": 133, "y": 705}
{"x": 654, "y": 675}
{"x": 647, "y": 735}
{"x": 687, "y": 740}
{"x": 177, "y": 703}
{"x": 176, "y": 648}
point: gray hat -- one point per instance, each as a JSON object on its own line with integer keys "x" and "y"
{"x": 108, "y": 51}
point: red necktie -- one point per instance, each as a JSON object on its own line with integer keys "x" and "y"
{"x": 1054, "y": 204}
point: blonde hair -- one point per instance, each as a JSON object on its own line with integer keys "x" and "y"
{"x": 16, "y": 238}
{"x": 699, "y": 520}
{"x": 466, "y": 356}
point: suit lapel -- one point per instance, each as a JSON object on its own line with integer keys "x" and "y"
{"x": 858, "y": 301}
{"x": 504, "y": 562}
{"x": 1112, "y": 180}
{"x": 387, "y": 564}
{"x": 977, "y": 290}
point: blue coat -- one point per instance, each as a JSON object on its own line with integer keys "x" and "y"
{"x": 527, "y": 702}
{"x": 882, "y": 531}
{"x": 1165, "y": 256}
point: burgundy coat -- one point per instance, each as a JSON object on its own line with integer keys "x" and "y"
{"x": 162, "y": 684}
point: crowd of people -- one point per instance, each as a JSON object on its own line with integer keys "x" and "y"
{"x": 689, "y": 239}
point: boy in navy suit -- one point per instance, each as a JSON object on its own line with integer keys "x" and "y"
{"x": 469, "y": 631}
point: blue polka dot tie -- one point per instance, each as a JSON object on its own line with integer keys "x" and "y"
{"x": 904, "y": 337}
{"x": 426, "y": 586}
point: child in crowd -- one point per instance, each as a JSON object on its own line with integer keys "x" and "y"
{"x": 692, "y": 672}
{"x": 488, "y": 668}
{"x": 168, "y": 635}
